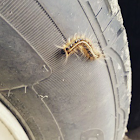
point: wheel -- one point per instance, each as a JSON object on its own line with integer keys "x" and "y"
{"x": 79, "y": 100}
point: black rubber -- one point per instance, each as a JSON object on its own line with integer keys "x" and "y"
{"x": 81, "y": 100}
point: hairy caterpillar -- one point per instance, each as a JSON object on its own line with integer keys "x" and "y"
{"x": 80, "y": 44}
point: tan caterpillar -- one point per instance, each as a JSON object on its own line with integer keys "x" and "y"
{"x": 80, "y": 44}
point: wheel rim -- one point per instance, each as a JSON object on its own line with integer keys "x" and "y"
{"x": 10, "y": 128}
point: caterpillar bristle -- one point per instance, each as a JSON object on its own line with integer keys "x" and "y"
{"x": 59, "y": 46}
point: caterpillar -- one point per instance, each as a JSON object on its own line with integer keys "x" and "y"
{"x": 80, "y": 44}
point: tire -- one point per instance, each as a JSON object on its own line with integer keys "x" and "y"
{"x": 80, "y": 100}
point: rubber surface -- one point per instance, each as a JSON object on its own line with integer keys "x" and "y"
{"x": 133, "y": 38}
{"x": 80, "y": 100}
